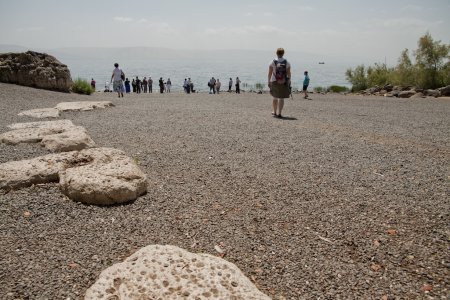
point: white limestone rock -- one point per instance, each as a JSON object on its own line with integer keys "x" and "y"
{"x": 113, "y": 178}
{"x": 43, "y": 169}
{"x": 42, "y": 124}
{"x": 72, "y": 138}
{"x": 101, "y": 176}
{"x": 83, "y": 105}
{"x": 41, "y": 113}
{"x": 56, "y": 136}
{"x": 168, "y": 272}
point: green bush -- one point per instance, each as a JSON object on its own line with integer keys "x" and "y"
{"x": 338, "y": 89}
{"x": 319, "y": 89}
{"x": 357, "y": 78}
{"x": 259, "y": 86}
{"x": 378, "y": 75}
{"x": 431, "y": 69}
{"x": 81, "y": 86}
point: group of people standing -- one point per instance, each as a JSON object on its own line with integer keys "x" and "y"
{"x": 215, "y": 85}
{"x": 278, "y": 77}
{"x": 146, "y": 85}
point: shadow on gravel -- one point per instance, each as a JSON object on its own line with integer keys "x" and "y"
{"x": 288, "y": 118}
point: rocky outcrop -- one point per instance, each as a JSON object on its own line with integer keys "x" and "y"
{"x": 35, "y": 69}
{"x": 407, "y": 91}
{"x": 101, "y": 176}
{"x": 168, "y": 272}
{"x": 56, "y": 136}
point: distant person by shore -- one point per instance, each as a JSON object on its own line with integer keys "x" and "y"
{"x": 230, "y": 84}
{"x": 144, "y": 84}
{"x": 306, "y": 84}
{"x": 278, "y": 78}
{"x": 133, "y": 85}
{"x": 117, "y": 78}
{"x": 138, "y": 85}
{"x": 150, "y": 85}
{"x": 212, "y": 85}
{"x": 161, "y": 85}
{"x": 93, "y": 83}
{"x": 127, "y": 86}
{"x": 168, "y": 85}
{"x": 218, "y": 84}
{"x": 238, "y": 85}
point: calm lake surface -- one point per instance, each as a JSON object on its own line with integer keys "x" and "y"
{"x": 249, "y": 70}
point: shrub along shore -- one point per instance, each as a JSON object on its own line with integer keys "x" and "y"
{"x": 429, "y": 74}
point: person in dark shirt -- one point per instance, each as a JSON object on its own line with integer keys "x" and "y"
{"x": 144, "y": 84}
{"x": 150, "y": 85}
{"x": 138, "y": 85}
{"x": 133, "y": 84}
{"x": 127, "y": 86}
{"x": 161, "y": 85}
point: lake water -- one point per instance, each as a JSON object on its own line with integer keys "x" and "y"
{"x": 249, "y": 70}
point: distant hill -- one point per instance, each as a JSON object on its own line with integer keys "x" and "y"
{"x": 152, "y": 53}
{"x": 5, "y": 48}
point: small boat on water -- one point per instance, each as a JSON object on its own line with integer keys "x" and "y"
{"x": 321, "y": 62}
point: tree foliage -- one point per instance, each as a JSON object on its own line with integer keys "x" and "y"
{"x": 430, "y": 70}
{"x": 431, "y": 58}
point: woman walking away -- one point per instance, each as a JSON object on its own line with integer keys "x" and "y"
{"x": 278, "y": 78}
{"x": 117, "y": 78}
{"x": 230, "y": 84}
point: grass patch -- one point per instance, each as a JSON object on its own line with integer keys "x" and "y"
{"x": 81, "y": 86}
{"x": 319, "y": 89}
{"x": 338, "y": 89}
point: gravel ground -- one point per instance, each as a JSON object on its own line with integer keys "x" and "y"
{"x": 346, "y": 198}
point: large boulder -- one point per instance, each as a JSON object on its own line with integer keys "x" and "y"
{"x": 35, "y": 69}
{"x": 388, "y": 88}
{"x": 56, "y": 136}
{"x": 168, "y": 272}
{"x": 445, "y": 91}
{"x": 406, "y": 94}
{"x": 100, "y": 176}
{"x": 432, "y": 93}
{"x": 114, "y": 178}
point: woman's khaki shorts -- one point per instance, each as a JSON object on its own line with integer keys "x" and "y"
{"x": 280, "y": 91}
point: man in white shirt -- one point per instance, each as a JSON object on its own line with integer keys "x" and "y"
{"x": 117, "y": 79}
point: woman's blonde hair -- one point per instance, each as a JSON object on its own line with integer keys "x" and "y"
{"x": 280, "y": 51}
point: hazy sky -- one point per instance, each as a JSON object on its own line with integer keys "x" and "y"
{"x": 359, "y": 29}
